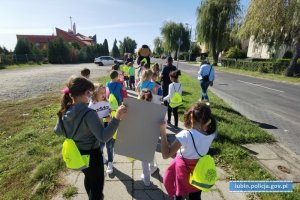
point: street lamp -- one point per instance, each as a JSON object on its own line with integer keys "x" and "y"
{"x": 190, "y": 46}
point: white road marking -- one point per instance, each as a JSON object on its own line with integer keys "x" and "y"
{"x": 255, "y": 84}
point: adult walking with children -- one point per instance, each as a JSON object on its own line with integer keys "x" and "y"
{"x": 206, "y": 75}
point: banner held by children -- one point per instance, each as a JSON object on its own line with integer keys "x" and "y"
{"x": 139, "y": 131}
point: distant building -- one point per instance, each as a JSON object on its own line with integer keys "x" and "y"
{"x": 256, "y": 50}
{"x": 71, "y": 36}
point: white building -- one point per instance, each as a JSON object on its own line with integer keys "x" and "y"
{"x": 256, "y": 50}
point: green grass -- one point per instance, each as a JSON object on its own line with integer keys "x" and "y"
{"x": 233, "y": 131}
{"x": 70, "y": 192}
{"x": 30, "y": 157}
{"x": 29, "y": 150}
{"x": 269, "y": 76}
{"x": 20, "y": 66}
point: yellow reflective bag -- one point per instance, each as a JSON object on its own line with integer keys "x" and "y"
{"x": 176, "y": 99}
{"x": 70, "y": 153}
{"x": 72, "y": 157}
{"x": 205, "y": 173}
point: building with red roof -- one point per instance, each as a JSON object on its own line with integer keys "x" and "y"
{"x": 69, "y": 36}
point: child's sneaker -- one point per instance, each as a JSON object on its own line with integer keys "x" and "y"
{"x": 176, "y": 128}
{"x": 147, "y": 183}
{"x": 109, "y": 169}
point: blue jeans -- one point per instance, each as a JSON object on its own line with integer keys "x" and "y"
{"x": 204, "y": 85}
{"x": 110, "y": 149}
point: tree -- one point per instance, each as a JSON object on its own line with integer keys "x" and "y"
{"x": 158, "y": 46}
{"x": 3, "y": 50}
{"x": 128, "y": 45}
{"x": 215, "y": 19}
{"x": 105, "y": 48}
{"x": 171, "y": 33}
{"x": 115, "y": 50}
{"x": 23, "y": 47}
{"x": 58, "y": 51}
{"x": 275, "y": 22}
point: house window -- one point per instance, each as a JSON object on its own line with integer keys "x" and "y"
{"x": 37, "y": 44}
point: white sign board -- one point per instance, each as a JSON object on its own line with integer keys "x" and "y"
{"x": 138, "y": 133}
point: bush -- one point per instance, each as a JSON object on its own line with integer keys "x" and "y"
{"x": 271, "y": 66}
{"x": 235, "y": 52}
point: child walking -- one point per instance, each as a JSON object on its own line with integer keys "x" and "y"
{"x": 175, "y": 86}
{"x": 148, "y": 168}
{"x": 146, "y": 82}
{"x": 100, "y": 104}
{"x": 115, "y": 87}
{"x": 131, "y": 76}
{"x": 74, "y": 114}
{"x": 201, "y": 130}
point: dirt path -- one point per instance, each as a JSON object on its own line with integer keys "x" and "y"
{"x": 28, "y": 82}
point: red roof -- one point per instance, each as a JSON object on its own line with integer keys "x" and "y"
{"x": 37, "y": 38}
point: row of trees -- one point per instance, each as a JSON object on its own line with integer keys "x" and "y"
{"x": 175, "y": 37}
{"x": 271, "y": 22}
{"x": 221, "y": 27}
{"x": 59, "y": 51}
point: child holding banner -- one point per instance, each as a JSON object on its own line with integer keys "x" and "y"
{"x": 201, "y": 128}
{"x": 151, "y": 167}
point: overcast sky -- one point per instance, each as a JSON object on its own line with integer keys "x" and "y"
{"x": 139, "y": 19}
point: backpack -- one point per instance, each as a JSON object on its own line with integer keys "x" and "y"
{"x": 206, "y": 77}
{"x": 205, "y": 174}
{"x": 176, "y": 99}
{"x": 70, "y": 153}
{"x": 113, "y": 102}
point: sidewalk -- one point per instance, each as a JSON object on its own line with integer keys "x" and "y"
{"x": 125, "y": 182}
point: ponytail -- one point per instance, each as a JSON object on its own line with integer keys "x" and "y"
{"x": 200, "y": 113}
{"x": 175, "y": 74}
{"x": 65, "y": 103}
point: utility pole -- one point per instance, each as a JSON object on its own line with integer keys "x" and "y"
{"x": 190, "y": 46}
{"x": 179, "y": 42}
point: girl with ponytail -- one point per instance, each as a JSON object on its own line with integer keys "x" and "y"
{"x": 197, "y": 138}
{"x": 80, "y": 123}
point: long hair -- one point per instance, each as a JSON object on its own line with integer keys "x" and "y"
{"x": 76, "y": 86}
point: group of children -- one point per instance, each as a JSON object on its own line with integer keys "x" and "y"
{"x": 107, "y": 100}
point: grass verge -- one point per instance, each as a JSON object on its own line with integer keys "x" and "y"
{"x": 30, "y": 151}
{"x": 20, "y": 66}
{"x": 233, "y": 130}
{"x": 70, "y": 192}
{"x": 269, "y": 76}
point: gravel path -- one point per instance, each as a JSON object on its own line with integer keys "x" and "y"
{"x": 32, "y": 81}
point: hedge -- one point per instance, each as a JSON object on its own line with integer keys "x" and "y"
{"x": 266, "y": 66}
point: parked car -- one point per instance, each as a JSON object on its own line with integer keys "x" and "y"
{"x": 107, "y": 60}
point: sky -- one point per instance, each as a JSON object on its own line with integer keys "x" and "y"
{"x": 141, "y": 20}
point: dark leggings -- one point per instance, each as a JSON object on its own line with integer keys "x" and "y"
{"x": 94, "y": 175}
{"x": 175, "y": 113}
{"x": 192, "y": 196}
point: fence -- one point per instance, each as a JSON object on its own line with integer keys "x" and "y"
{"x": 11, "y": 59}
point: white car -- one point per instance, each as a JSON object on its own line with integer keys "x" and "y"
{"x": 106, "y": 60}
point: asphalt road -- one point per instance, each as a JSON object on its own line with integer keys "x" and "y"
{"x": 273, "y": 105}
